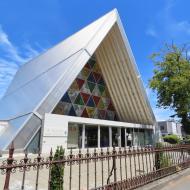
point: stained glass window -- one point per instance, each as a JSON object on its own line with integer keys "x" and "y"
{"x": 88, "y": 96}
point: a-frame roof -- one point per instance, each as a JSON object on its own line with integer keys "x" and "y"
{"x": 39, "y": 85}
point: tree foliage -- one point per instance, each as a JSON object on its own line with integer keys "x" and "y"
{"x": 171, "y": 81}
{"x": 57, "y": 171}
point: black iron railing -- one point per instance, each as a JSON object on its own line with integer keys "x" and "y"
{"x": 102, "y": 169}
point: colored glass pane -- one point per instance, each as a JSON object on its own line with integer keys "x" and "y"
{"x": 97, "y": 76}
{"x": 101, "y": 104}
{"x": 66, "y": 108}
{"x": 106, "y": 101}
{"x": 101, "y": 89}
{"x": 96, "y": 113}
{"x": 90, "y": 111}
{"x": 74, "y": 85}
{"x": 96, "y": 91}
{"x": 91, "y": 62}
{"x": 105, "y": 93}
{"x": 101, "y": 81}
{"x": 85, "y": 88}
{"x": 87, "y": 65}
{"x": 72, "y": 112}
{"x": 96, "y": 68}
{"x": 84, "y": 113}
{"x": 80, "y": 83}
{"x": 72, "y": 95}
{"x": 110, "y": 107}
{"x": 102, "y": 114}
{"x": 85, "y": 73}
{"x": 90, "y": 102}
{"x": 85, "y": 97}
{"x": 91, "y": 78}
{"x": 96, "y": 99}
{"x": 66, "y": 98}
{"x": 91, "y": 86}
{"x": 79, "y": 100}
{"x": 78, "y": 109}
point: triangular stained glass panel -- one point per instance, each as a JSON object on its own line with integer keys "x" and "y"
{"x": 97, "y": 76}
{"x": 66, "y": 108}
{"x": 84, "y": 113}
{"x": 101, "y": 104}
{"x": 101, "y": 89}
{"x": 90, "y": 102}
{"x": 72, "y": 112}
{"x": 90, "y": 111}
{"x": 85, "y": 72}
{"x": 87, "y": 65}
{"x": 91, "y": 78}
{"x": 91, "y": 62}
{"x": 106, "y": 101}
{"x": 91, "y": 86}
{"x": 85, "y": 97}
{"x": 66, "y": 98}
{"x": 96, "y": 113}
{"x": 110, "y": 107}
{"x": 105, "y": 93}
{"x": 85, "y": 88}
{"x": 78, "y": 109}
{"x": 72, "y": 95}
{"x": 96, "y": 68}
{"x": 80, "y": 76}
{"x": 59, "y": 109}
{"x": 79, "y": 100}
{"x": 96, "y": 91}
{"x": 74, "y": 85}
{"x": 96, "y": 99}
{"x": 102, "y": 114}
{"x": 101, "y": 81}
{"x": 80, "y": 83}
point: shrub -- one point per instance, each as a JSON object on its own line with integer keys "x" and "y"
{"x": 161, "y": 159}
{"x": 57, "y": 171}
{"x": 173, "y": 139}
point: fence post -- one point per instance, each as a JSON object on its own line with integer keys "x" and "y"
{"x": 9, "y": 163}
{"x": 114, "y": 165}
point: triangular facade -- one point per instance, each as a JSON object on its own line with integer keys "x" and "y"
{"x": 56, "y": 76}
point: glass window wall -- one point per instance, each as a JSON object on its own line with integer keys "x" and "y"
{"x": 104, "y": 136}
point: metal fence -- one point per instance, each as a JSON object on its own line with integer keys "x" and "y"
{"x": 102, "y": 169}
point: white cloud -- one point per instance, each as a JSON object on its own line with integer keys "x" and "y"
{"x": 151, "y": 32}
{"x": 181, "y": 27}
{"x": 11, "y": 60}
{"x": 166, "y": 25}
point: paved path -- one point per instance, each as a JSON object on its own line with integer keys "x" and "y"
{"x": 183, "y": 183}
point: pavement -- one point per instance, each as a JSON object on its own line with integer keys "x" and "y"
{"x": 183, "y": 183}
{"x": 177, "y": 181}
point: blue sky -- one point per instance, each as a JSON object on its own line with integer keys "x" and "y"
{"x": 27, "y": 28}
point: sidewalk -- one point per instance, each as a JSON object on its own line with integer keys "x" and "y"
{"x": 177, "y": 181}
{"x": 183, "y": 183}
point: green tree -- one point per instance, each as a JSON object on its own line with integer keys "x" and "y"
{"x": 171, "y": 81}
{"x": 57, "y": 171}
